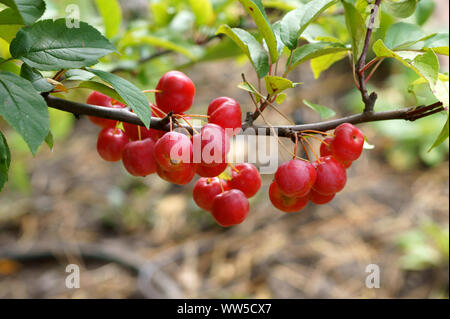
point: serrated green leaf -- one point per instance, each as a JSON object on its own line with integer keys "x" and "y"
{"x": 439, "y": 43}
{"x": 24, "y": 109}
{"x": 424, "y": 11}
{"x": 314, "y": 50}
{"x": 402, "y": 35}
{"x": 256, "y": 10}
{"x": 102, "y": 88}
{"x": 21, "y": 12}
{"x": 250, "y": 46}
{"x": 203, "y": 11}
{"x": 111, "y": 13}
{"x": 49, "y": 139}
{"x": 400, "y": 8}
{"x": 443, "y": 136}
{"x": 323, "y": 63}
{"x": 133, "y": 97}
{"x": 36, "y": 78}
{"x": 50, "y": 45}
{"x": 277, "y": 84}
{"x": 5, "y": 160}
{"x": 323, "y": 111}
{"x": 356, "y": 28}
{"x": 296, "y": 21}
{"x": 424, "y": 64}
{"x": 8, "y": 32}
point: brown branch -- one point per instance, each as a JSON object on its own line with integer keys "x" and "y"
{"x": 124, "y": 115}
{"x": 369, "y": 100}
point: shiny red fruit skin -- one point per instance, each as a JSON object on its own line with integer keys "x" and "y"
{"x": 230, "y": 208}
{"x": 206, "y": 190}
{"x": 226, "y": 112}
{"x": 177, "y": 92}
{"x": 325, "y": 150}
{"x": 173, "y": 151}
{"x": 295, "y": 178}
{"x": 111, "y": 143}
{"x": 331, "y": 176}
{"x": 348, "y": 143}
{"x": 285, "y": 203}
{"x": 246, "y": 179}
{"x": 211, "y": 171}
{"x": 211, "y": 146}
{"x": 181, "y": 176}
{"x": 132, "y": 132}
{"x": 320, "y": 199}
{"x": 99, "y": 99}
{"x": 138, "y": 157}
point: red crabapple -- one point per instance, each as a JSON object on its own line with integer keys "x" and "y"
{"x": 111, "y": 143}
{"x": 181, "y": 176}
{"x": 348, "y": 143}
{"x": 177, "y": 92}
{"x": 230, "y": 208}
{"x": 325, "y": 148}
{"x": 211, "y": 171}
{"x": 211, "y": 145}
{"x": 226, "y": 112}
{"x": 99, "y": 99}
{"x": 295, "y": 178}
{"x": 173, "y": 151}
{"x": 132, "y": 132}
{"x": 331, "y": 176}
{"x": 246, "y": 178}
{"x": 206, "y": 190}
{"x": 287, "y": 204}
{"x": 320, "y": 199}
{"x": 138, "y": 157}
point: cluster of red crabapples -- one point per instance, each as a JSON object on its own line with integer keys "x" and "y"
{"x": 177, "y": 157}
{"x": 297, "y": 181}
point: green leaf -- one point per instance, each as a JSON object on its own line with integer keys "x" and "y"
{"x": 10, "y": 66}
{"x": 24, "y": 109}
{"x": 248, "y": 87}
{"x": 36, "y": 78}
{"x": 323, "y": 63}
{"x": 424, "y": 64}
{"x": 112, "y": 16}
{"x": 5, "y": 160}
{"x": 49, "y": 139}
{"x": 313, "y": 50}
{"x": 78, "y": 75}
{"x": 203, "y": 11}
{"x": 250, "y": 46}
{"x": 442, "y": 136}
{"x": 356, "y": 28}
{"x": 102, "y": 88}
{"x": 21, "y": 12}
{"x": 439, "y": 43}
{"x": 324, "y": 112}
{"x": 256, "y": 10}
{"x": 132, "y": 96}
{"x": 424, "y": 11}
{"x": 131, "y": 40}
{"x": 400, "y": 8}
{"x": 8, "y": 32}
{"x": 281, "y": 98}
{"x": 51, "y": 45}
{"x": 402, "y": 35}
{"x": 277, "y": 84}
{"x": 296, "y": 21}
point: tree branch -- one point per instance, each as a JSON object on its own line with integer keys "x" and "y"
{"x": 123, "y": 115}
{"x": 369, "y": 100}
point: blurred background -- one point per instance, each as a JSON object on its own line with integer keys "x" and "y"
{"x": 142, "y": 237}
